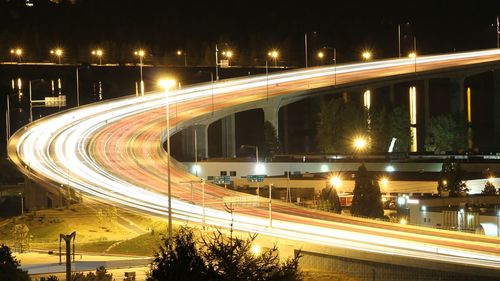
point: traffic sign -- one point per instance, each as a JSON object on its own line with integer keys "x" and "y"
{"x": 222, "y": 180}
{"x": 255, "y": 178}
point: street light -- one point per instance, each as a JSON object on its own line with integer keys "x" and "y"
{"x": 99, "y": 54}
{"x": 167, "y": 84}
{"x": 58, "y": 53}
{"x": 180, "y": 53}
{"x": 366, "y": 55}
{"x": 22, "y": 203}
{"x": 274, "y": 54}
{"x": 321, "y": 55}
{"x": 141, "y": 53}
{"x": 228, "y": 54}
{"x": 336, "y": 181}
{"x": 359, "y": 143}
{"x": 18, "y": 52}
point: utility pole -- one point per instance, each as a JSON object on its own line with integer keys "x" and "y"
{"x": 399, "y": 40}
{"x": 305, "y": 44}
{"x": 498, "y": 33}
{"x": 78, "y": 87}
{"x": 67, "y": 239}
{"x": 270, "y": 206}
{"x": 216, "y": 63}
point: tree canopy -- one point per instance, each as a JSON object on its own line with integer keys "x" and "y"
{"x": 219, "y": 258}
{"x": 9, "y": 266}
{"x": 452, "y": 179}
{"x": 367, "y": 199}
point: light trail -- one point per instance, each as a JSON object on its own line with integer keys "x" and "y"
{"x": 112, "y": 151}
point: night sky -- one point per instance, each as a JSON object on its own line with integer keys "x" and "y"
{"x": 251, "y": 28}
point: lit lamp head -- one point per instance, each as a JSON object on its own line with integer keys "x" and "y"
{"x": 384, "y": 181}
{"x": 166, "y": 83}
{"x": 17, "y": 52}
{"x": 335, "y": 181}
{"x": 97, "y": 52}
{"x": 140, "y": 53}
{"x": 273, "y": 54}
{"x": 321, "y": 55}
{"x": 256, "y": 250}
{"x": 412, "y": 55}
{"x": 367, "y": 55}
{"x": 359, "y": 143}
{"x": 229, "y": 54}
{"x": 179, "y": 52}
{"x": 491, "y": 180}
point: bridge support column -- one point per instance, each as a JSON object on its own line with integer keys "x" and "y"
{"x": 496, "y": 105}
{"x": 271, "y": 115}
{"x": 457, "y": 94}
{"x": 228, "y": 136}
{"x": 426, "y": 111}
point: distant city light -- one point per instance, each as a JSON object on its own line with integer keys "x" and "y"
{"x": 366, "y": 55}
{"x": 390, "y": 169}
{"x": 335, "y": 181}
{"x": 260, "y": 169}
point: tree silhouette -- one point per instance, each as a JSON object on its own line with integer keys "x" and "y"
{"x": 452, "y": 179}
{"x": 367, "y": 199}
{"x": 9, "y": 266}
{"x": 329, "y": 200}
{"x": 218, "y": 257}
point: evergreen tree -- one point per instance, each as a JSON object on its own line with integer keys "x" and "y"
{"x": 447, "y": 133}
{"x": 9, "y": 266}
{"x": 452, "y": 178}
{"x": 329, "y": 200}
{"x": 271, "y": 142}
{"x": 219, "y": 258}
{"x": 367, "y": 199}
{"x": 489, "y": 188}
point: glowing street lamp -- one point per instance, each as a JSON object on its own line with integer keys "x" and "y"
{"x": 180, "y": 53}
{"x": 58, "y": 53}
{"x": 321, "y": 55}
{"x": 366, "y": 55}
{"x": 336, "y": 181}
{"x": 359, "y": 143}
{"x": 274, "y": 54}
{"x": 18, "y": 52}
{"x": 228, "y": 55}
{"x": 256, "y": 250}
{"x": 141, "y": 53}
{"x": 167, "y": 84}
{"x": 99, "y": 54}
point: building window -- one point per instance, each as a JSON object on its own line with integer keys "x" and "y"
{"x": 223, "y": 173}
{"x": 210, "y": 178}
{"x": 232, "y": 173}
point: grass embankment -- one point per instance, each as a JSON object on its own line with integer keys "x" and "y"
{"x": 97, "y": 226}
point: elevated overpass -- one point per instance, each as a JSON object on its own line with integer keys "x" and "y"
{"x": 112, "y": 152}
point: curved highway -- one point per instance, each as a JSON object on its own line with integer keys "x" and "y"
{"x": 112, "y": 151}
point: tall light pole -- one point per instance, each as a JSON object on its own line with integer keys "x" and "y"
{"x": 167, "y": 84}
{"x": 98, "y": 53}
{"x": 180, "y": 53}
{"x": 18, "y": 52}
{"x": 274, "y": 54}
{"x": 141, "y": 54}
{"x": 498, "y": 33}
{"x": 58, "y": 53}
{"x": 216, "y": 63}
{"x": 399, "y": 40}
{"x": 305, "y": 46}
{"x": 270, "y": 205}
{"x": 22, "y": 203}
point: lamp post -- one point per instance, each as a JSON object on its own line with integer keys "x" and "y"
{"x": 256, "y": 161}
{"x": 180, "y": 53}
{"x": 18, "y": 52}
{"x": 270, "y": 206}
{"x": 366, "y": 55}
{"x": 98, "y": 53}
{"x": 305, "y": 45}
{"x": 141, "y": 53}
{"x": 167, "y": 84}
{"x": 58, "y": 53}
{"x": 216, "y": 63}
{"x": 321, "y": 55}
{"x": 228, "y": 54}
{"x": 274, "y": 54}
{"x": 22, "y": 203}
